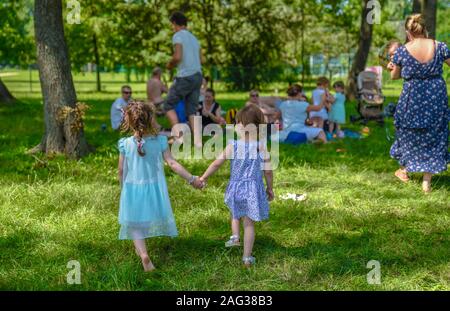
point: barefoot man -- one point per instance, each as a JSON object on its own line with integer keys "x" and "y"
{"x": 188, "y": 59}
{"x": 155, "y": 88}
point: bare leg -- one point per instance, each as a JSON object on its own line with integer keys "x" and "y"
{"x": 173, "y": 119}
{"x": 172, "y": 116}
{"x": 426, "y": 184}
{"x": 249, "y": 236}
{"x": 197, "y": 138}
{"x": 322, "y": 137}
{"x": 141, "y": 250}
{"x": 235, "y": 227}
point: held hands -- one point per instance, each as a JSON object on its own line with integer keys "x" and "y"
{"x": 203, "y": 181}
{"x": 197, "y": 182}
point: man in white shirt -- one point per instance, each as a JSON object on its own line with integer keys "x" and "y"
{"x": 188, "y": 59}
{"x": 118, "y": 106}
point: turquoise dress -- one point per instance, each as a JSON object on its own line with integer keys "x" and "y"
{"x": 145, "y": 209}
{"x": 337, "y": 113}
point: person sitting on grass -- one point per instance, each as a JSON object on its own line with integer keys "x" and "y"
{"x": 245, "y": 195}
{"x": 118, "y": 106}
{"x": 267, "y": 104}
{"x": 294, "y": 112}
{"x": 145, "y": 209}
{"x": 210, "y": 110}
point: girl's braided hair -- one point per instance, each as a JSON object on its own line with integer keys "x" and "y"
{"x": 139, "y": 118}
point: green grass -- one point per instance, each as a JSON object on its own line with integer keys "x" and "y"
{"x": 56, "y": 210}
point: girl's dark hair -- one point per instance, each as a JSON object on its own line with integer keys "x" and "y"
{"x": 139, "y": 119}
{"x": 210, "y": 90}
{"x": 322, "y": 81}
{"x": 294, "y": 90}
{"x": 178, "y": 18}
{"x": 338, "y": 84}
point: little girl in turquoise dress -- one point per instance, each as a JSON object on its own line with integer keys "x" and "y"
{"x": 245, "y": 195}
{"x": 337, "y": 111}
{"x": 145, "y": 209}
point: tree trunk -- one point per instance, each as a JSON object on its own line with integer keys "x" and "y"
{"x": 5, "y": 96}
{"x": 417, "y": 6}
{"x": 362, "y": 54}
{"x": 430, "y": 12}
{"x": 97, "y": 63}
{"x": 63, "y": 115}
{"x": 428, "y": 9}
{"x": 302, "y": 29}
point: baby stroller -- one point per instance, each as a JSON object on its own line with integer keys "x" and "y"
{"x": 370, "y": 99}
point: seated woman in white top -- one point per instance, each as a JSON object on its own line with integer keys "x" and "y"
{"x": 294, "y": 112}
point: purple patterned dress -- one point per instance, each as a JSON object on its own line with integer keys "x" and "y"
{"x": 245, "y": 194}
{"x": 422, "y": 113}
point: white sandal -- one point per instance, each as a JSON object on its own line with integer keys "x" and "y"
{"x": 248, "y": 261}
{"x": 233, "y": 241}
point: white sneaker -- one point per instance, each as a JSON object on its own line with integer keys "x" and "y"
{"x": 233, "y": 241}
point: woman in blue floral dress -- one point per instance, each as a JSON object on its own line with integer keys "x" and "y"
{"x": 422, "y": 113}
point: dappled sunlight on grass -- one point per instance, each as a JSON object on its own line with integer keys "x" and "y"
{"x": 55, "y": 210}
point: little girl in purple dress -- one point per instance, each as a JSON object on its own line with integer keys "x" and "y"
{"x": 245, "y": 195}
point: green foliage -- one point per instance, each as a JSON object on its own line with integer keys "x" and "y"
{"x": 246, "y": 43}
{"x": 16, "y": 39}
{"x": 443, "y": 22}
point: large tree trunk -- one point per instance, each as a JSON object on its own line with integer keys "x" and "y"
{"x": 63, "y": 115}
{"x": 5, "y": 96}
{"x": 360, "y": 59}
{"x": 429, "y": 9}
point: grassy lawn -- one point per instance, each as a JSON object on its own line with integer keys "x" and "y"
{"x": 56, "y": 210}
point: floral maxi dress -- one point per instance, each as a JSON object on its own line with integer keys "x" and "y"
{"x": 422, "y": 114}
